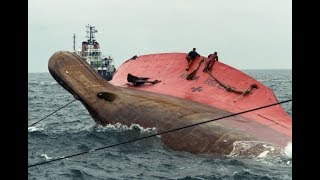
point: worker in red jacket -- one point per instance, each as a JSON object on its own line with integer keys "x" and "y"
{"x": 210, "y": 61}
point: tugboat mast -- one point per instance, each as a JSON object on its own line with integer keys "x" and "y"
{"x": 90, "y": 34}
{"x": 74, "y": 42}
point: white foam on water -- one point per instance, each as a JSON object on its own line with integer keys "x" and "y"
{"x": 43, "y": 83}
{"x": 258, "y": 149}
{"x": 120, "y": 127}
{"x": 244, "y": 170}
{"x": 45, "y": 156}
{"x": 32, "y": 129}
{"x": 263, "y": 154}
{"x": 269, "y": 147}
{"x": 288, "y": 150}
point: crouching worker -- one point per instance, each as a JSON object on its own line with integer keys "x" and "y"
{"x": 136, "y": 81}
{"x": 191, "y": 57}
{"x": 210, "y": 61}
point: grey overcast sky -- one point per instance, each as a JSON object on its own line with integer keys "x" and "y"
{"x": 247, "y": 34}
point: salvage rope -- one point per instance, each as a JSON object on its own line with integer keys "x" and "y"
{"x": 172, "y": 130}
{"x": 52, "y": 113}
{"x": 190, "y": 76}
{"x": 232, "y": 89}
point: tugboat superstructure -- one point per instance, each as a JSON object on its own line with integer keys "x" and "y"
{"x": 92, "y": 54}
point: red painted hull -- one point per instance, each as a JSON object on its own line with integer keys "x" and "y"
{"x": 271, "y": 124}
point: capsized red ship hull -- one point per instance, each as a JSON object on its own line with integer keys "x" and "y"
{"x": 270, "y": 124}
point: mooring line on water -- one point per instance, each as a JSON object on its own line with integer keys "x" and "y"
{"x": 52, "y": 113}
{"x": 172, "y": 130}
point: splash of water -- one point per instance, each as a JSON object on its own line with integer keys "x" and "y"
{"x": 258, "y": 149}
{"x": 288, "y": 149}
{"x": 32, "y": 129}
{"x": 120, "y": 127}
{"x": 45, "y": 156}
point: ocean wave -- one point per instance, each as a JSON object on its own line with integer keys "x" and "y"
{"x": 75, "y": 131}
{"x": 33, "y": 83}
{"x": 190, "y": 178}
{"x": 254, "y": 174}
{"x": 288, "y": 150}
{"x": 120, "y": 127}
{"x": 116, "y": 133}
{"x": 34, "y": 129}
{"x": 45, "y": 156}
{"x": 42, "y": 83}
{"x": 249, "y": 174}
{"x": 262, "y": 152}
{"x": 75, "y": 173}
{"x": 257, "y": 149}
{"x": 92, "y": 130}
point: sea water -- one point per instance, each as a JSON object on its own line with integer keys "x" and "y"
{"x": 72, "y": 130}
